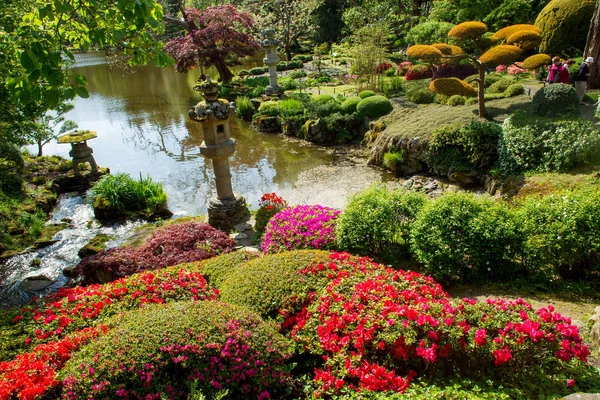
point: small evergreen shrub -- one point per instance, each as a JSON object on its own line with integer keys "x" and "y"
{"x": 220, "y": 346}
{"x": 289, "y": 107}
{"x": 257, "y": 81}
{"x": 556, "y": 100}
{"x": 377, "y": 220}
{"x": 119, "y": 195}
{"x": 393, "y": 160}
{"x": 287, "y": 83}
{"x": 462, "y": 237}
{"x": 244, "y": 108}
{"x": 343, "y": 128}
{"x": 390, "y": 72}
{"x": 298, "y": 227}
{"x": 456, "y": 100}
{"x": 441, "y": 99}
{"x": 500, "y": 86}
{"x": 530, "y": 142}
{"x": 366, "y": 93}
{"x": 324, "y": 98}
{"x": 172, "y": 245}
{"x": 218, "y": 269}
{"x": 269, "y": 108}
{"x": 297, "y": 74}
{"x": 269, "y": 205}
{"x": 562, "y": 232}
{"x": 349, "y": 105}
{"x": 420, "y": 96}
{"x": 516, "y": 89}
{"x": 257, "y": 71}
{"x": 374, "y": 107}
{"x": 452, "y": 86}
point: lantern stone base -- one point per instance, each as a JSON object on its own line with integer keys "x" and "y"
{"x": 225, "y": 214}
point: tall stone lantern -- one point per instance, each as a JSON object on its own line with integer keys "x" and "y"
{"x": 271, "y": 60}
{"x": 227, "y": 209}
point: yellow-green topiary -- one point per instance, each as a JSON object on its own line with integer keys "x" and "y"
{"x": 505, "y": 33}
{"x": 468, "y": 30}
{"x": 452, "y": 86}
{"x": 502, "y": 54}
{"x": 565, "y": 25}
{"x": 446, "y": 49}
{"x": 424, "y": 52}
{"x": 525, "y": 40}
{"x": 537, "y": 61}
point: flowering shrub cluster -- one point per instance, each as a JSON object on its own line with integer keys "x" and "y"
{"x": 172, "y": 245}
{"x": 218, "y": 345}
{"x": 460, "y": 71}
{"x": 269, "y": 205}
{"x": 378, "y": 328}
{"x": 417, "y": 72}
{"x": 501, "y": 68}
{"x": 299, "y": 227}
{"x": 516, "y": 69}
{"x": 382, "y": 67}
{"x": 403, "y": 67}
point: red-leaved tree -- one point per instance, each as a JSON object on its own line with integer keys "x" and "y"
{"x": 213, "y": 35}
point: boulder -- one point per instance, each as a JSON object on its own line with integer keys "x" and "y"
{"x": 36, "y": 282}
{"x": 268, "y": 124}
{"x": 94, "y": 246}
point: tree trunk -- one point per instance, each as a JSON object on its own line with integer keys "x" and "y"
{"x": 288, "y": 52}
{"x": 225, "y": 75}
{"x": 39, "y": 148}
{"x": 481, "y": 92}
{"x": 592, "y": 48}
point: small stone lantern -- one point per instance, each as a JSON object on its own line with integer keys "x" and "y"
{"x": 227, "y": 209}
{"x": 80, "y": 151}
{"x": 271, "y": 60}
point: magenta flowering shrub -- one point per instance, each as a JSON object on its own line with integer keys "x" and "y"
{"x": 155, "y": 353}
{"x": 300, "y": 227}
{"x": 516, "y": 69}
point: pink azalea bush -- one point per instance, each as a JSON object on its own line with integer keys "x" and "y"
{"x": 516, "y": 69}
{"x": 300, "y": 227}
{"x": 501, "y": 68}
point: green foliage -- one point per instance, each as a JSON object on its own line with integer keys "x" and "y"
{"x": 495, "y": 13}
{"x": 467, "y": 148}
{"x": 374, "y": 107}
{"x": 231, "y": 346}
{"x": 390, "y": 72}
{"x": 394, "y": 160}
{"x": 562, "y": 233}
{"x": 244, "y": 108}
{"x": 258, "y": 81}
{"x": 378, "y": 221}
{"x": 565, "y": 25}
{"x": 430, "y": 32}
{"x": 324, "y": 98}
{"x": 490, "y": 79}
{"x": 420, "y": 96}
{"x": 464, "y": 237}
{"x": 516, "y": 89}
{"x": 297, "y": 74}
{"x": 530, "y": 142}
{"x": 269, "y": 108}
{"x": 287, "y": 83}
{"x": 289, "y": 107}
{"x": 119, "y": 195}
{"x": 456, "y": 100}
{"x": 500, "y": 86}
{"x": 556, "y": 100}
{"x": 349, "y": 105}
{"x": 269, "y": 283}
{"x": 597, "y": 111}
{"x": 218, "y": 269}
{"x": 442, "y": 98}
{"x": 366, "y": 93}
{"x": 257, "y": 71}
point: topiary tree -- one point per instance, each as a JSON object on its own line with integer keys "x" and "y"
{"x": 565, "y": 24}
{"x": 483, "y": 50}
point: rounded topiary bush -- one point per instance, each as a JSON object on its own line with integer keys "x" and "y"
{"x": 516, "y": 89}
{"x": 420, "y": 96}
{"x": 374, "y": 107}
{"x": 377, "y": 220}
{"x": 349, "y": 105}
{"x": 556, "y": 99}
{"x": 452, "y": 86}
{"x": 257, "y": 71}
{"x": 324, "y": 98}
{"x": 160, "y": 349}
{"x": 500, "y": 86}
{"x": 366, "y": 93}
{"x": 461, "y": 236}
{"x": 564, "y": 25}
{"x": 456, "y": 100}
{"x": 300, "y": 227}
{"x": 216, "y": 270}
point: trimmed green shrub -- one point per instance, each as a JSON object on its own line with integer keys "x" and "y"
{"x": 290, "y": 107}
{"x": 441, "y": 98}
{"x": 257, "y": 71}
{"x": 366, "y": 93}
{"x": 394, "y": 160}
{"x": 556, "y": 100}
{"x": 464, "y": 237}
{"x": 343, "y": 128}
{"x": 516, "y": 89}
{"x": 216, "y": 270}
{"x": 244, "y": 108}
{"x": 456, "y": 100}
{"x": 150, "y": 351}
{"x": 116, "y": 196}
{"x": 349, "y": 105}
{"x": 529, "y": 142}
{"x": 565, "y": 25}
{"x": 490, "y": 79}
{"x": 269, "y": 108}
{"x": 244, "y": 72}
{"x": 374, "y": 106}
{"x": 287, "y": 83}
{"x": 562, "y": 233}
{"x": 324, "y": 98}
{"x": 377, "y": 220}
{"x": 500, "y": 86}
{"x": 269, "y": 284}
{"x": 420, "y": 96}
{"x": 258, "y": 81}
{"x": 297, "y": 74}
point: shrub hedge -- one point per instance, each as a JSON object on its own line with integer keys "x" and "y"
{"x": 366, "y": 93}
{"x": 555, "y": 100}
{"x": 349, "y": 105}
{"x": 374, "y": 106}
{"x": 420, "y": 96}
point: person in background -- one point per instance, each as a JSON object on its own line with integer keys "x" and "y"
{"x": 581, "y": 78}
{"x": 565, "y": 75}
{"x": 555, "y": 69}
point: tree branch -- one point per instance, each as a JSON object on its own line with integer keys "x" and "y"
{"x": 179, "y": 22}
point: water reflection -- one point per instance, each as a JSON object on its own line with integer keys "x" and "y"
{"x": 141, "y": 119}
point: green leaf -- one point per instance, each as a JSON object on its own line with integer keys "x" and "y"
{"x": 69, "y": 93}
{"x": 82, "y": 92}
{"x": 52, "y": 97}
{"x": 27, "y": 62}
{"x": 56, "y": 77}
{"x": 34, "y": 75}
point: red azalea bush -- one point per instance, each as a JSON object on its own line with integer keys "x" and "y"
{"x": 403, "y": 67}
{"x": 30, "y": 375}
{"x": 269, "y": 205}
{"x": 460, "y": 71}
{"x": 72, "y": 309}
{"x": 378, "y": 328}
{"x": 157, "y": 351}
{"x": 172, "y": 245}
{"x": 382, "y": 67}
{"x": 417, "y": 72}
{"x": 301, "y": 227}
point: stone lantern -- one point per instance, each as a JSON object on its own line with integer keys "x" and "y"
{"x": 227, "y": 209}
{"x": 271, "y": 60}
{"x": 80, "y": 151}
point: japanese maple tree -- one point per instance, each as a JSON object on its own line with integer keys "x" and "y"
{"x": 213, "y": 36}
